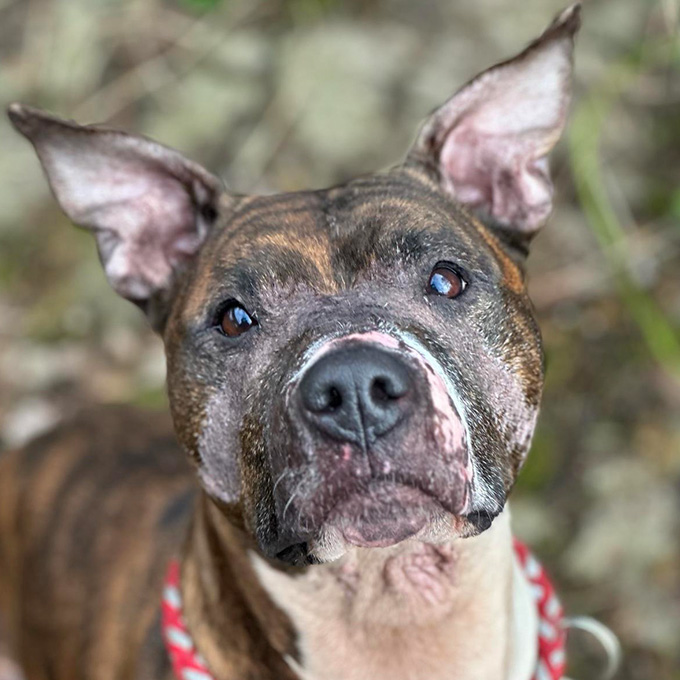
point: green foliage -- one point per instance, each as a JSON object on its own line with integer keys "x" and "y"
{"x": 674, "y": 209}
{"x": 302, "y": 10}
{"x": 311, "y": 8}
{"x": 541, "y": 465}
{"x": 151, "y": 398}
{"x": 587, "y": 131}
{"x": 201, "y": 4}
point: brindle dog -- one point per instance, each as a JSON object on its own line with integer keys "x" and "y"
{"x": 355, "y": 374}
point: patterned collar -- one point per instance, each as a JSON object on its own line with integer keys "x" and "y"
{"x": 188, "y": 664}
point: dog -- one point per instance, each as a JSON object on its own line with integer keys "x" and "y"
{"x": 354, "y": 374}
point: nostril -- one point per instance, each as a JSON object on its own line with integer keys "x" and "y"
{"x": 334, "y": 399}
{"x": 380, "y": 391}
{"x": 384, "y": 389}
{"x": 324, "y": 399}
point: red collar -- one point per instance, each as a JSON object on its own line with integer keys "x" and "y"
{"x": 188, "y": 664}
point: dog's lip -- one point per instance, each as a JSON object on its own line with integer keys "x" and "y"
{"x": 383, "y": 514}
{"x": 407, "y": 511}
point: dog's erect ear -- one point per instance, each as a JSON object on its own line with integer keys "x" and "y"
{"x": 149, "y": 207}
{"x": 488, "y": 144}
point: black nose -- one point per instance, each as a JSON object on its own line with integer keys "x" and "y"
{"x": 356, "y": 394}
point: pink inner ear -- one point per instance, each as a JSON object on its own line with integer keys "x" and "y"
{"x": 145, "y": 226}
{"x": 144, "y": 202}
{"x": 493, "y": 136}
{"x": 138, "y": 197}
{"x": 495, "y": 176}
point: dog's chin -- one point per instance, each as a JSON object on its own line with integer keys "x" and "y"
{"x": 383, "y": 515}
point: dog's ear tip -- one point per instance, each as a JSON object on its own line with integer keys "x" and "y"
{"x": 17, "y": 113}
{"x": 559, "y": 35}
{"x": 566, "y": 23}
{"x": 26, "y": 119}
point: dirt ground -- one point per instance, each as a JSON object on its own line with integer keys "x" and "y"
{"x": 292, "y": 94}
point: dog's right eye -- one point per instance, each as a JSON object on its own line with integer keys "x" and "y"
{"x": 446, "y": 281}
{"x": 235, "y": 320}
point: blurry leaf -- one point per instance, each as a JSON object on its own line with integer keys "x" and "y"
{"x": 675, "y": 207}
{"x": 306, "y": 10}
{"x": 153, "y": 398}
{"x": 541, "y": 463}
{"x": 201, "y": 4}
{"x": 587, "y": 130}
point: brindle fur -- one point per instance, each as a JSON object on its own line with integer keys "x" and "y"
{"x": 340, "y": 242}
{"x": 91, "y": 514}
{"x": 79, "y": 510}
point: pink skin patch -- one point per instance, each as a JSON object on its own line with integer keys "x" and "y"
{"x": 427, "y": 570}
{"x": 451, "y": 435}
{"x": 369, "y": 519}
{"x": 450, "y": 431}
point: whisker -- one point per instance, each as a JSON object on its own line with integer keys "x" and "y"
{"x": 282, "y": 476}
{"x": 292, "y": 498}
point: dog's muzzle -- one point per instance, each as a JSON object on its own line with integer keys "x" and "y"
{"x": 374, "y": 448}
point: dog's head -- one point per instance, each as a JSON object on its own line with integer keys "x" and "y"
{"x": 354, "y": 366}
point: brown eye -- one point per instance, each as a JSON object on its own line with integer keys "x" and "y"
{"x": 444, "y": 280}
{"x": 236, "y": 320}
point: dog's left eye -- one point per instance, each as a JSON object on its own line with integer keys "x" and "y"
{"x": 236, "y": 320}
{"x": 446, "y": 281}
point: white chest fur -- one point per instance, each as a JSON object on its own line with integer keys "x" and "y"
{"x": 413, "y": 612}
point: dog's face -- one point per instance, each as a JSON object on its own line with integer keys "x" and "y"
{"x": 363, "y": 363}
{"x": 355, "y": 366}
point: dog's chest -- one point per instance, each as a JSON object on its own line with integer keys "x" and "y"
{"x": 404, "y": 614}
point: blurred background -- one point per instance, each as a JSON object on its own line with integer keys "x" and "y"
{"x": 292, "y": 94}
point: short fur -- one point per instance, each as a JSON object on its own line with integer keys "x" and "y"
{"x": 278, "y": 534}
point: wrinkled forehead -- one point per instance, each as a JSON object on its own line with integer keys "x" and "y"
{"x": 326, "y": 240}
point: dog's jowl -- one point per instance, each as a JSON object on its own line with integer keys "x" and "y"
{"x": 354, "y": 374}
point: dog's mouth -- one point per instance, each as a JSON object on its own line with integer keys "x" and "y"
{"x": 376, "y": 514}
{"x": 384, "y": 514}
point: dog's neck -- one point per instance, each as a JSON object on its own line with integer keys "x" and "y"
{"x": 459, "y": 610}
